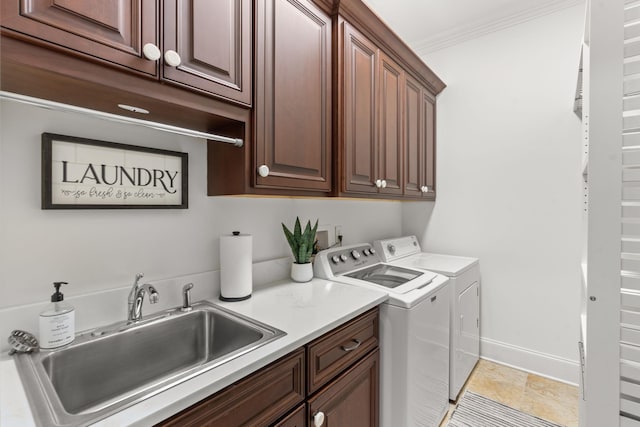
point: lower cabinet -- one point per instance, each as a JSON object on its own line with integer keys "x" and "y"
{"x": 352, "y": 399}
{"x": 332, "y": 381}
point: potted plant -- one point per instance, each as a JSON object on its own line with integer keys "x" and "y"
{"x": 302, "y": 244}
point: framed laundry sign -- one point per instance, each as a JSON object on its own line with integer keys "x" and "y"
{"x": 80, "y": 173}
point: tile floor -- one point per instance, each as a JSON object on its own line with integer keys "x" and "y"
{"x": 530, "y": 393}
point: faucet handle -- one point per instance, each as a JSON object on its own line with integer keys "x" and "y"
{"x": 186, "y": 297}
{"x": 153, "y": 294}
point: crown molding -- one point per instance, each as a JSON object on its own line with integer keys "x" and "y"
{"x": 467, "y": 32}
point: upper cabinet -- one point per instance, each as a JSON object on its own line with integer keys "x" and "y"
{"x": 385, "y": 123}
{"x": 293, "y": 96}
{"x": 109, "y": 30}
{"x": 202, "y": 46}
{"x": 358, "y": 113}
{"x": 419, "y": 141}
{"x": 291, "y": 152}
{"x": 329, "y": 101}
{"x": 212, "y": 40}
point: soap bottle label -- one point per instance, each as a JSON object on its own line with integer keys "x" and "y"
{"x": 58, "y": 330}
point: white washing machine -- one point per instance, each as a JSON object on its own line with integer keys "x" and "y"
{"x": 464, "y": 275}
{"x": 414, "y": 333}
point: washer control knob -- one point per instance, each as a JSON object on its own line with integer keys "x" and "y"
{"x": 366, "y": 252}
{"x": 391, "y": 248}
{"x": 372, "y": 251}
{"x": 335, "y": 259}
{"x": 343, "y": 258}
{"x": 355, "y": 254}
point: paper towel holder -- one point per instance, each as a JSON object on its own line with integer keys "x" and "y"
{"x": 234, "y": 292}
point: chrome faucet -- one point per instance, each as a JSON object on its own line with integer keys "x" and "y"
{"x": 136, "y": 297}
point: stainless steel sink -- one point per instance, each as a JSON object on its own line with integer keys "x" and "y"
{"x": 103, "y": 371}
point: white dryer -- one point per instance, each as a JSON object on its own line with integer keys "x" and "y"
{"x": 464, "y": 276}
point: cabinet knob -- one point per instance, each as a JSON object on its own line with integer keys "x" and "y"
{"x": 318, "y": 419}
{"x": 384, "y": 183}
{"x": 379, "y": 183}
{"x": 171, "y": 58}
{"x": 263, "y": 171}
{"x": 151, "y": 52}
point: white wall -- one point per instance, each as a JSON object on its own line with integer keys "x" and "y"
{"x": 97, "y": 250}
{"x": 508, "y": 182}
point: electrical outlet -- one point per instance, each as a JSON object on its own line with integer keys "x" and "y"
{"x": 339, "y": 234}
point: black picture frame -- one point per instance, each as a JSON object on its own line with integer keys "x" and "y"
{"x": 71, "y": 192}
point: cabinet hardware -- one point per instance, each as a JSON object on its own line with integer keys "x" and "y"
{"x": 351, "y": 347}
{"x": 151, "y": 52}
{"x": 172, "y": 58}
{"x": 263, "y": 171}
{"x": 318, "y": 419}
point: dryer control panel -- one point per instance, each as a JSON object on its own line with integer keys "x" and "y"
{"x": 392, "y": 249}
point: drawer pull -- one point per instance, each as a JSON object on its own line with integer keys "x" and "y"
{"x": 356, "y": 344}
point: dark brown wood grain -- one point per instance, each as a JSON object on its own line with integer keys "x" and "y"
{"x": 359, "y": 113}
{"x": 390, "y": 139}
{"x": 327, "y": 357}
{"x": 108, "y": 30}
{"x": 214, "y": 43}
{"x": 353, "y": 399}
{"x": 297, "y": 418}
{"x": 293, "y": 96}
{"x": 257, "y": 400}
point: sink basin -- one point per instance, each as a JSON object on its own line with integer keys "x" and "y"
{"x": 104, "y": 371}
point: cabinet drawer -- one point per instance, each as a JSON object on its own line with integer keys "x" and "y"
{"x": 257, "y": 400}
{"x": 335, "y": 351}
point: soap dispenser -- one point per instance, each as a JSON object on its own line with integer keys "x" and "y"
{"x": 57, "y": 322}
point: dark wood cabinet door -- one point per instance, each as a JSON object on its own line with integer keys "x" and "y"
{"x": 359, "y": 112}
{"x": 293, "y": 95}
{"x": 352, "y": 399}
{"x": 213, "y": 39}
{"x": 104, "y": 30}
{"x": 429, "y": 122}
{"x": 297, "y": 418}
{"x": 414, "y": 142}
{"x": 390, "y": 144}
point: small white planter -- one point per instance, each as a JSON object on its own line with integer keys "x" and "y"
{"x": 301, "y": 272}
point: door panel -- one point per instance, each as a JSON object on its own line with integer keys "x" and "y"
{"x": 359, "y": 112}
{"x": 106, "y": 30}
{"x": 213, "y": 39}
{"x": 352, "y": 399}
{"x": 429, "y": 120}
{"x": 414, "y": 143}
{"x": 391, "y": 79}
{"x": 293, "y": 101}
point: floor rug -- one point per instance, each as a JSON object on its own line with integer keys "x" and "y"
{"x": 474, "y": 410}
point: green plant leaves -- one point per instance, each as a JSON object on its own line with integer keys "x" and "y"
{"x": 301, "y": 243}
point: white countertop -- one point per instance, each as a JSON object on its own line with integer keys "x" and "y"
{"x": 304, "y": 311}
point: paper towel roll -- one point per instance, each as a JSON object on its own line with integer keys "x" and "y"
{"x": 236, "y": 281}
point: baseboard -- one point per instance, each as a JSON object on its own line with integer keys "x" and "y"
{"x": 545, "y": 365}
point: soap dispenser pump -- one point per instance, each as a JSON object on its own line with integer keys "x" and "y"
{"x": 57, "y": 321}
